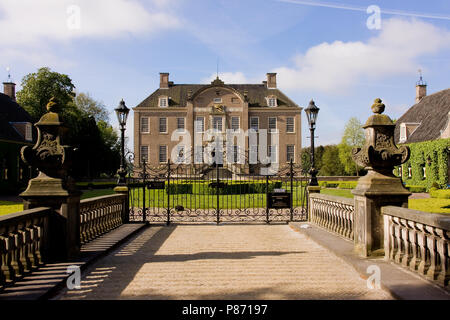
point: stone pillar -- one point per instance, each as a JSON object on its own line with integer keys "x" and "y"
{"x": 126, "y": 210}
{"x": 53, "y": 187}
{"x": 379, "y": 187}
{"x": 311, "y": 190}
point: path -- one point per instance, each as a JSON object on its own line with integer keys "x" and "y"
{"x": 222, "y": 262}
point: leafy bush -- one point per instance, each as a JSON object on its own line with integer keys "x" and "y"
{"x": 440, "y": 194}
{"x": 416, "y": 189}
{"x": 348, "y": 185}
{"x": 431, "y": 155}
{"x": 179, "y": 188}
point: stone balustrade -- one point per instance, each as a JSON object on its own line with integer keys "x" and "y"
{"x": 22, "y": 243}
{"x": 332, "y": 213}
{"x": 100, "y": 215}
{"x": 419, "y": 241}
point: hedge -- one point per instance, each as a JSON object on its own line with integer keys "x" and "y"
{"x": 232, "y": 188}
{"x": 440, "y": 194}
{"x": 416, "y": 189}
{"x": 348, "y": 185}
{"x": 436, "y": 170}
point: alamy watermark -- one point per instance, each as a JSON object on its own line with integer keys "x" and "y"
{"x": 374, "y": 20}
{"x": 74, "y": 280}
{"x": 374, "y": 280}
{"x": 73, "y": 17}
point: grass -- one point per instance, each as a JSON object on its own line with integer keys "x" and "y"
{"x": 346, "y": 193}
{"x": 7, "y": 207}
{"x": 430, "y": 205}
{"x": 160, "y": 199}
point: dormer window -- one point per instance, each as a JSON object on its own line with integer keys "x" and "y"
{"x": 163, "y": 102}
{"x": 272, "y": 101}
{"x": 28, "y": 132}
{"x": 403, "y": 136}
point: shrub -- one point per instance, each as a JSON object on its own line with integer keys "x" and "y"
{"x": 416, "y": 189}
{"x": 348, "y": 185}
{"x": 440, "y": 194}
{"x": 179, "y": 188}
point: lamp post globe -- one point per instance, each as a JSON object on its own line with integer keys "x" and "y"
{"x": 311, "y": 113}
{"x": 122, "y": 115}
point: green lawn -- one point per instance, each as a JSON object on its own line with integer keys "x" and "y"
{"x": 159, "y": 199}
{"x": 7, "y": 207}
{"x": 346, "y": 193}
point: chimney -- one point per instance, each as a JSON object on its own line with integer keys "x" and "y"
{"x": 164, "y": 80}
{"x": 421, "y": 88}
{"x": 271, "y": 80}
{"x": 9, "y": 88}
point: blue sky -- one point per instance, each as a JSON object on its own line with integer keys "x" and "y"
{"x": 323, "y": 50}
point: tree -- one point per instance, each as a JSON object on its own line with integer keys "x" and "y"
{"x": 39, "y": 87}
{"x": 353, "y": 137}
{"x": 331, "y": 166}
{"x": 96, "y": 141}
{"x": 96, "y": 109}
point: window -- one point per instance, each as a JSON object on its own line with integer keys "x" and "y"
{"x": 290, "y": 153}
{"x": 272, "y": 124}
{"x": 199, "y": 124}
{"x": 234, "y": 100}
{"x": 217, "y": 123}
{"x": 272, "y": 153}
{"x": 254, "y": 123}
{"x": 163, "y": 102}
{"x": 28, "y": 132}
{"x": 272, "y": 102}
{"x": 144, "y": 153}
{"x": 235, "y": 154}
{"x": 180, "y": 124}
{"x": 290, "y": 128}
{"x": 235, "y": 123}
{"x": 162, "y": 154}
{"x": 198, "y": 154}
{"x": 180, "y": 154}
{"x": 403, "y": 135}
{"x": 217, "y": 100}
{"x": 145, "y": 128}
{"x": 162, "y": 125}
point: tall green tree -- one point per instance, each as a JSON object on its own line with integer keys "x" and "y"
{"x": 40, "y": 86}
{"x": 90, "y": 106}
{"x": 331, "y": 165}
{"x": 86, "y": 118}
{"x": 353, "y": 137}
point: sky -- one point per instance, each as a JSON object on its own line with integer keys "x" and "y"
{"x": 341, "y": 53}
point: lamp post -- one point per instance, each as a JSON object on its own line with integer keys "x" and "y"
{"x": 122, "y": 115}
{"x": 311, "y": 114}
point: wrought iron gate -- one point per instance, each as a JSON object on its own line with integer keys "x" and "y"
{"x": 215, "y": 193}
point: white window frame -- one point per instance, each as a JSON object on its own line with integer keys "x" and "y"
{"x": 293, "y": 125}
{"x": 203, "y": 124}
{"x": 160, "y": 118}
{"x": 274, "y": 99}
{"x": 239, "y": 123}
{"x": 198, "y": 154}
{"x": 273, "y": 149}
{"x": 217, "y": 100}
{"x": 221, "y": 123}
{"x": 141, "y": 153}
{"x": 403, "y": 133}
{"x": 235, "y": 153}
{"x": 276, "y": 124}
{"x": 293, "y": 153}
{"x": 148, "y": 124}
{"x": 184, "y": 158}
{"x": 28, "y": 132}
{"x": 184, "y": 124}
{"x": 251, "y": 123}
{"x": 159, "y": 153}
{"x": 161, "y": 99}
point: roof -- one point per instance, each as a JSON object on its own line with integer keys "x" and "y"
{"x": 432, "y": 114}
{"x": 178, "y": 93}
{"x": 12, "y": 112}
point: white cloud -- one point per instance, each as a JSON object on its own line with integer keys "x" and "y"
{"x": 336, "y": 67}
{"x": 26, "y": 22}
